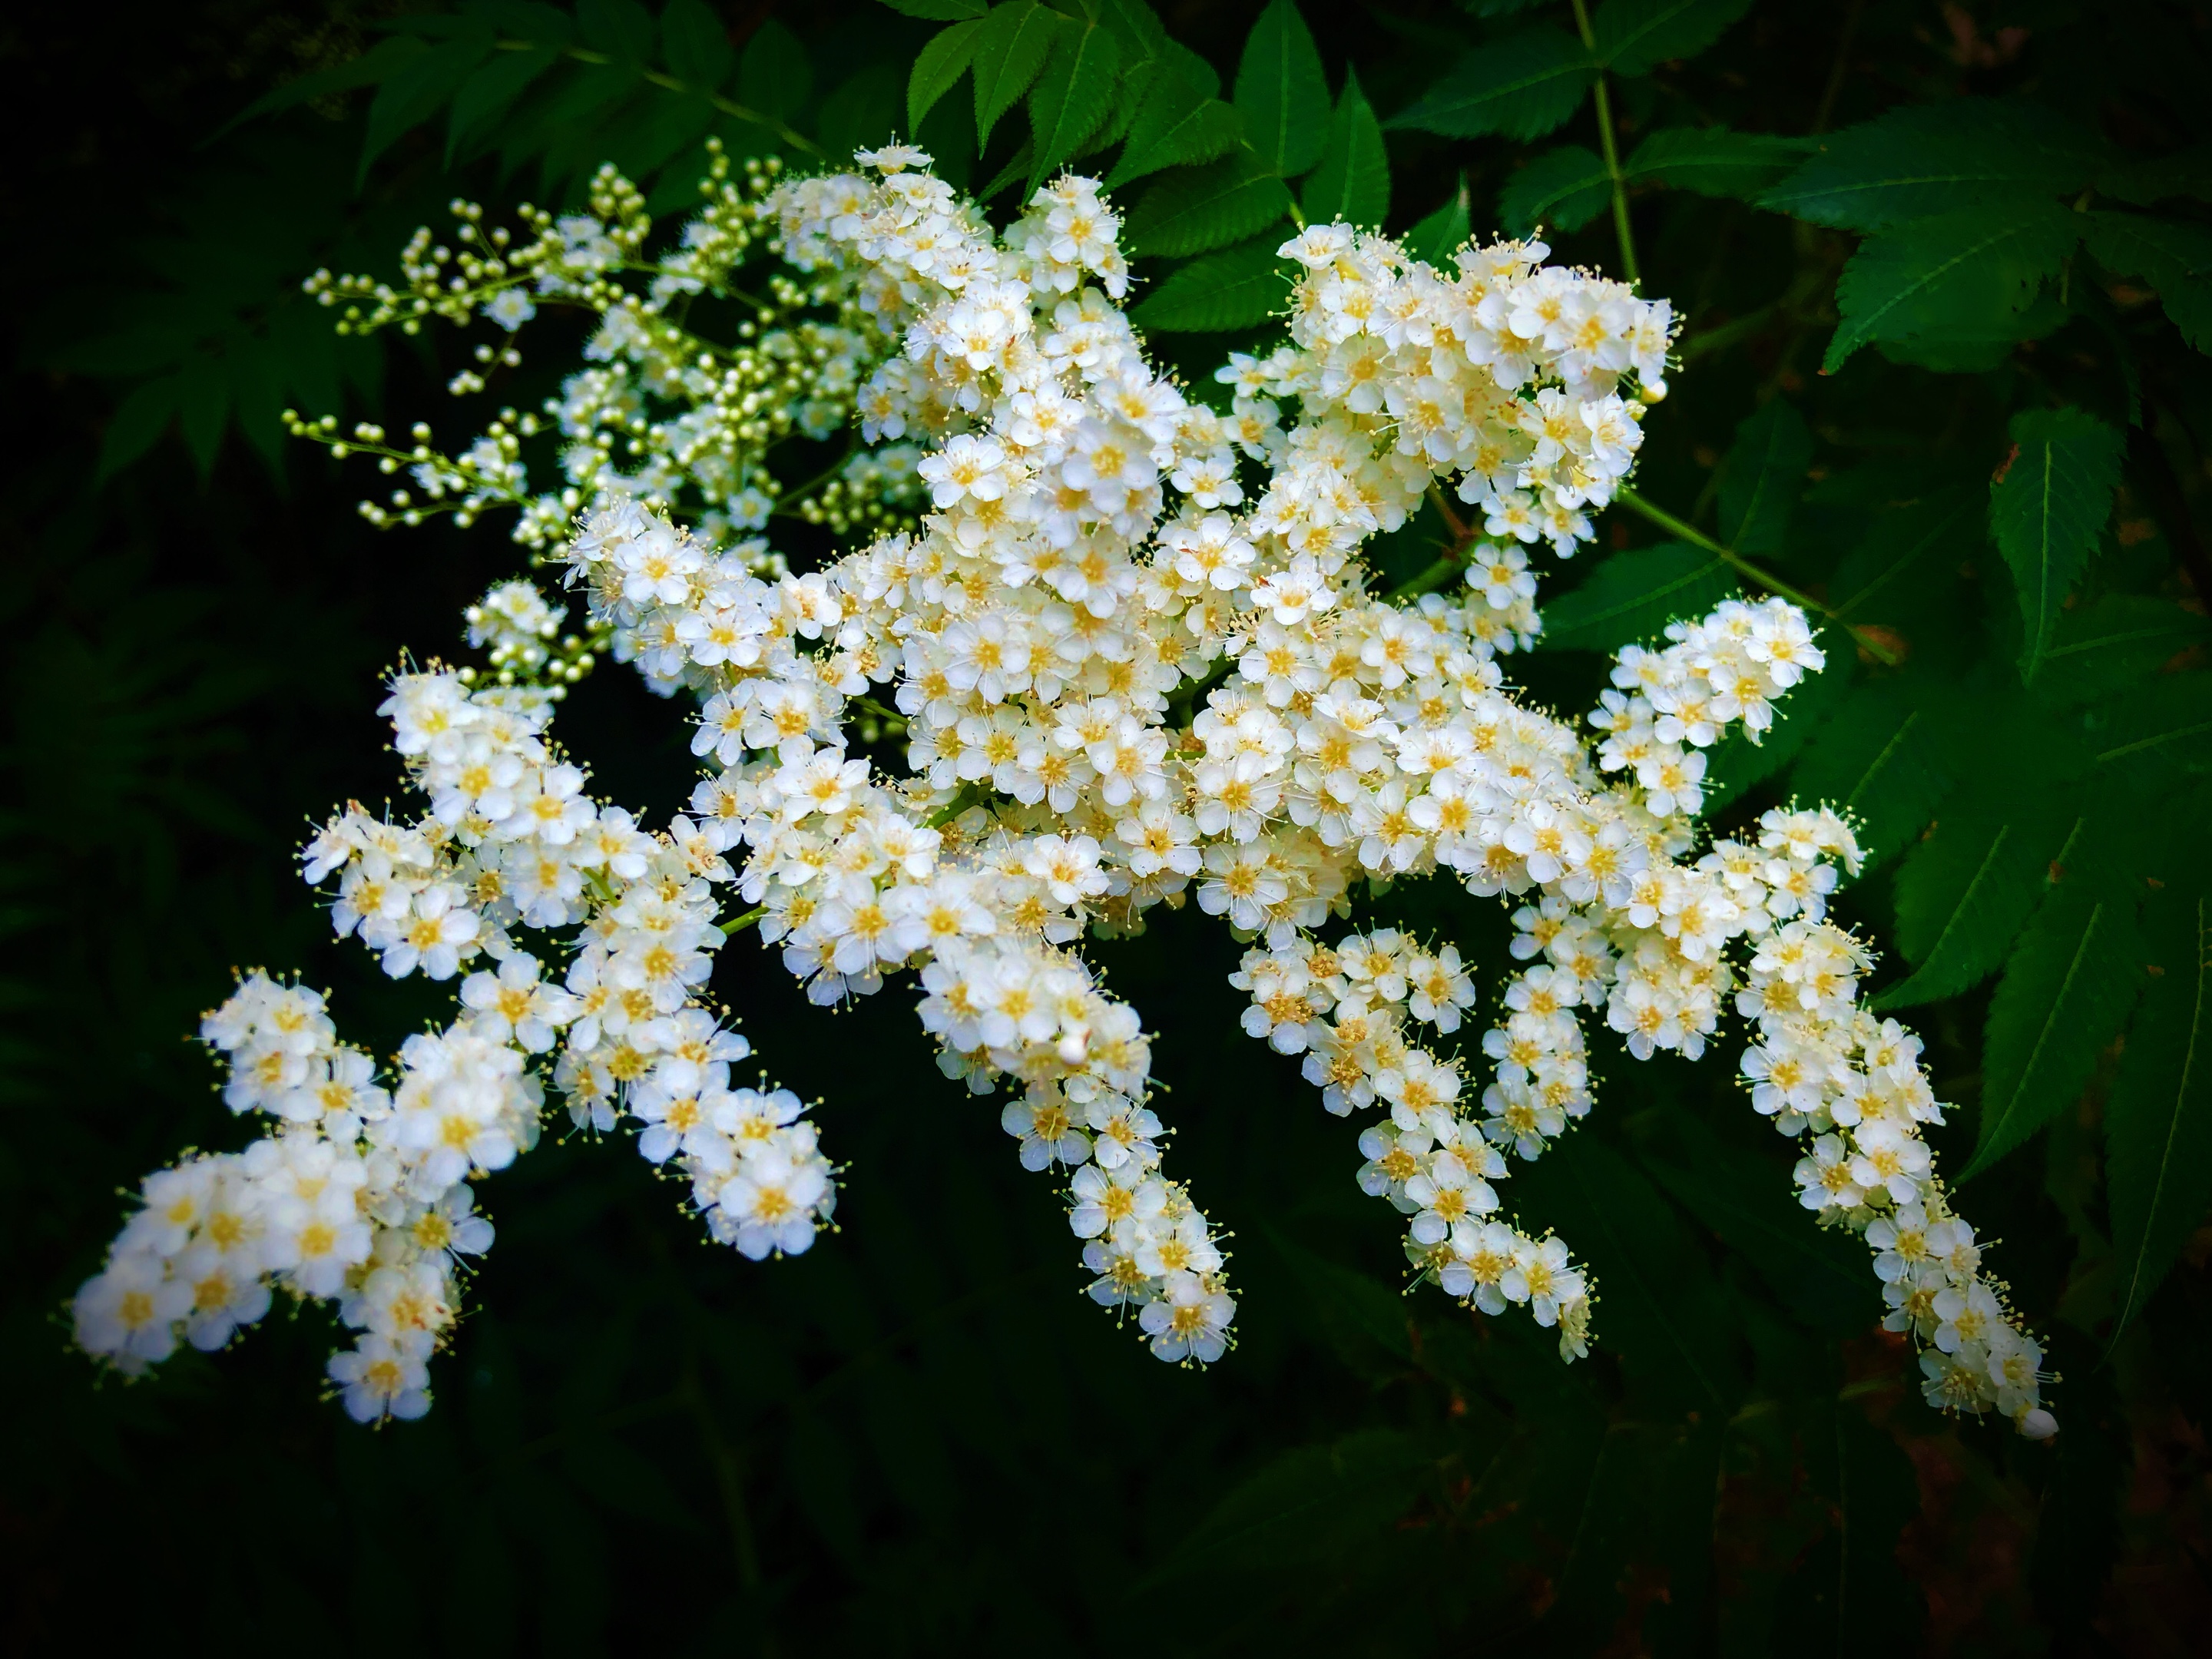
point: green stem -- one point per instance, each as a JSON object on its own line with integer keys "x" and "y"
{"x": 790, "y": 135}
{"x": 971, "y": 794}
{"x": 1427, "y": 582}
{"x": 1682, "y": 530}
{"x": 736, "y": 925}
{"x": 1611, "y": 151}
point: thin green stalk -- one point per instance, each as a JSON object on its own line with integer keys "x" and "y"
{"x": 736, "y": 925}
{"x": 1682, "y": 530}
{"x": 1611, "y": 152}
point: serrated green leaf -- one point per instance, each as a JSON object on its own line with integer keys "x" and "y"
{"x": 1960, "y": 275}
{"x": 1765, "y": 475}
{"x": 941, "y": 11}
{"x": 1351, "y": 186}
{"x": 1634, "y": 37}
{"x": 1009, "y": 53}
{"x": 1237, "y": 288}
{"x": 2116, "y": 643}
{"x": 775, "y": 75}
{"x": 1072, "y": 95}
{"x": 2047, "y": 511}
{"x": 2067, "y": 991}
{"x": 1444, "y": 232}
{"x": 2172, "y": 255}
{"x": 1196, "y": 210}
{"x": 2162, "y": 730}
{"x": 1930, "y": 159}
{"x": 1713, "y": 160}
{"x": 2158, "y": 1118}
{"x": 694, "y": 44}
{"x": 1522, "y": 86}
{"x": 1177, "y": 125}
{"x": 1281, "y": 91}
{"x": 1633, "y": 596}
{"x": 1967, "y": 890}
{"x": 1567, "y": 187}
{"x": 939, "y": 66}
{"x": 1884, "y": 758}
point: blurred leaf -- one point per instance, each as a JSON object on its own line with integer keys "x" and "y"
{"x": 1237, "y": 288}
{"x": 1281, "y": 92}
{"x": 1925, "y": 160}
{"x": 1964, "y": 276}
{"x": 2047, "y": 510}
{"x": 1883, "y": 758}
{"x": 1351, "y": 184}
{"x": 1633, "y": 596}
{"x": 940, "y": 11}
{"x": 1765, "y": 475}
{"x": 1522, "y": 86}
{"x": 696, "y": 44}
{"x": 775, "y": 75}
{"x": 1634, "y": 37}
{"x": 1567, "y": 187}
{"x": 2158, "y": 1118}
{"x": 1306, "y": 1506}
{"x": 1194, "y": 210}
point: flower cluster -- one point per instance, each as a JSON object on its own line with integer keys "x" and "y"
{"x": 363, "y": 1194}
{"x": 1128, "y": 653}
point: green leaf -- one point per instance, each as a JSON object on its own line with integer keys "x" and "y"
{"x": 623, "y": 29}
{"x": 2047, "y": 511}
{"x": 694, "y": 44}
{"x": 1735, "y": 764}
{"x": 1633, "y": 596}
{"x": 2158, "y": 1119}
{"x": 1882, "y": 757}
{"x": 941, "y": 11}
{"x": 1198, "y": 208}
{"x": 1177, "y": 125}
{"x": 1351, "y": 184}
{"x": 1567, "y": 187}
{"x": 2174, "y": 257}
{"x": 371, "y": 68}
{"x": 1713, "y": 160}
{"x": 1071, "y": 98}
{"x": 1444, "y": 232}
{"x": 2116, "y": 643}
{"x": 487, "y": 95}
{"x": 1010, "y": 54}
{"x": 937, "y": 68}
{"x": 1309, "y": 1506}
{"x": 1967, "y": 891}
{"x": 1237, "y": 288}
{"x": 413, "y": 91}
{"x": 1930, "y": 159}
{"x": 137, "y": 424}
{"x": 1522, "y": 86}
{"x": 2186, "y": 173}
{"x": 1281, "y": 91}
{"x": 204, "y": 410}
{"x": 1898, "y": 564}
{"x": 1765, "y": 475}
{"x": 2067, "y": 991}
{"x": 2160, "y": 731}
{"x": 1820, "y": 1274}
{"x": 1961, "y": 276}
{"x": 1634, "y": 37}
{"x": 775, "y": 75}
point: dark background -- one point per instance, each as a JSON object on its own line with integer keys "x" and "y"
{"x": 922, "y": 1436}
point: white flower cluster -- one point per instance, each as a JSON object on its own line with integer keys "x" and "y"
{"x": 363, "y": 1194}
{"x": 1131, "y": 656}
